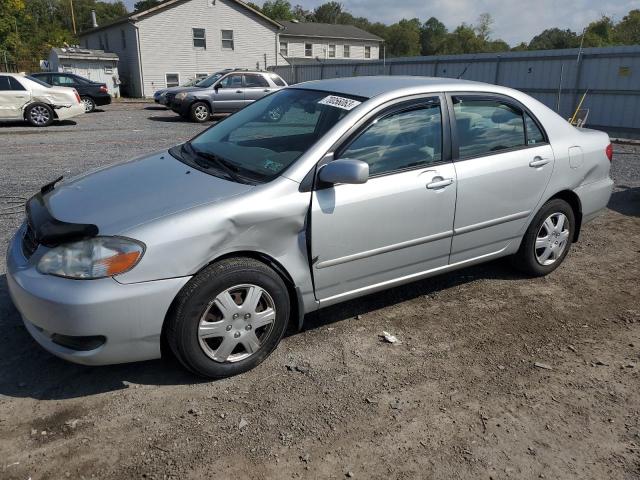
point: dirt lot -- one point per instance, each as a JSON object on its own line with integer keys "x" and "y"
{"x": 460, "y": 397}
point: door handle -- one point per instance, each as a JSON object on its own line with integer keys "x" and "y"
{"x": 439, "y": 182}
{"x": 538, "y": 162}
{"x": 266, "y": 90}
{"x": 238, "y": 91}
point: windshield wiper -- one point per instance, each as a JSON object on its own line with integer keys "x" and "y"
{"x": 219, "y": 162}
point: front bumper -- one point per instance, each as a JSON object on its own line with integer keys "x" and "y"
{"x": 180, "y": 107}
{"x": 128, "y": 317}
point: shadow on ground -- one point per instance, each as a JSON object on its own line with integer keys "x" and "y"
{"x": 28, "y": 371}
{"x": 626, "y": 201}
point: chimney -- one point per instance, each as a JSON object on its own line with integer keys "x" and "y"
{"x": 93, "y": 18}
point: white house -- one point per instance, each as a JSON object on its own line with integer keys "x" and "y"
{"x": 96, "y": 65}
{"x": 179, "y": 40}
{"x": 326, "y": 41}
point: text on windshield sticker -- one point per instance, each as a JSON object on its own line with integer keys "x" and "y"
{"x": 339, "y": 102}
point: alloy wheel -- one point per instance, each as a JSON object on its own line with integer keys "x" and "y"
{"x": 88, "y": 105}
{"x": 552, "y": 239}
{"x": 40, "y": 115}
{"x": 236, "y": 323}
{"x": 201, "y": 112}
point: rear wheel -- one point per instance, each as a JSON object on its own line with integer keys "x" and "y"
{"x": 547, "y": 241}
{"x": 200, "y": 112}
{"x": 39, "y": 115}
{"x": 228, "y": 318}
{"x": 88, "y": 103}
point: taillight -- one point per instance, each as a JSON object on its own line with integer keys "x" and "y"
{"x": 77, "y": 96}
{"x": 609, "y": 152}
{"x": 103, "y": 89}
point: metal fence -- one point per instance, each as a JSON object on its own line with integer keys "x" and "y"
{"x": 558, "y": 78}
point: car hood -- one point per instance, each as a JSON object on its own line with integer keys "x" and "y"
{"x": 190, "y": 89}
{"x": 120, "y": 197}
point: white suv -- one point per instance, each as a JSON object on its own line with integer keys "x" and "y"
{"x": 27, "y": 98}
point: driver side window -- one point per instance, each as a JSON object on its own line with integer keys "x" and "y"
{"x": 405, "y": 139}
{"x": 231, "y": 81}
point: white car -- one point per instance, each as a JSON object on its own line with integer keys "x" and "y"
{"x": 26, "y": 98}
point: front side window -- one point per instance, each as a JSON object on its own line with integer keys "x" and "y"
{"x": 284, "y": 49}
{"x": 172, "y": 79}
{"x": 259, "y": 147}
{"x": 367, "y": 52}
{"x": 199, "y": 38}
{"x": 485, "y": 126}
{"x": 308, "y": 49}
{"x": 254, "y": 81}
{"x": 227, "y": 39}
{"x": 405, "y": 139}
{"x": 347, "y": 51}
{"x": 332, "y": 51}
{"x": 231, "y": 81}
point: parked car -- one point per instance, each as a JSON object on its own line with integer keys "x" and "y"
{"x": 27, "y": 98}
{"x": 91, "y": 93}
{"x": 365, "y": 183}
{"x": 160, "y": 96}
{"x": 223, "y": 92}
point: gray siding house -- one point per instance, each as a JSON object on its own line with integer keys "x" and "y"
{"x": 179, "y": 40}
{"x": 324, "y": 41}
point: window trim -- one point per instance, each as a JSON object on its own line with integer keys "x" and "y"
{"x": 194, "y": 38}
{"x": 232, "y": 40}
{"x": 335, "y": 50}
{"x": 305, "y": 50}
{"x": 346, "y": 48}
{"x": 311, "y": 182}
{"x": 455, "y": 146}
{"x": 171, "y": 73}
{"x": 367, "y": 48}
{"x": 286, "y": 48}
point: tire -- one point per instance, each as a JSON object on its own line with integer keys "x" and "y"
{"x": 89, "y": 104}
{"x": 545, "y": 244}
{"x": 200, "y": 112}
{"x": 39, "y": 115}
{"x": 203, "y": 307}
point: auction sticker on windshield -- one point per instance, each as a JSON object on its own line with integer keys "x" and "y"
{"x": 340, "y": 102}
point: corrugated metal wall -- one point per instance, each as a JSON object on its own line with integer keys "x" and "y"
{"x": 611, "y": 76}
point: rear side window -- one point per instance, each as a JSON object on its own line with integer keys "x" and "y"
{"x": 255, "y": 81}
{"x": 10, "y": 83}
{"x": 405, "y": 139}
{"x": 534, "y": 134}
{"x": 62, "y": 80}
{"x": 487, "y": 126}
{"x": 277, "y": 80}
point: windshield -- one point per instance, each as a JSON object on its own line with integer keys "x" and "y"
{"x": 38, "y": 81}
{"x": 210, "y": 80}
{"x": 263, "y": 139}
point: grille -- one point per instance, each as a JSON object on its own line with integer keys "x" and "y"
{"x": 29, "y": 242}
{"x": 170, "y": 97}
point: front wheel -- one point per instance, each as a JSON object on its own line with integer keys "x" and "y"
{"x": 228, "y": 318}
{"x": 200, "y": 112}
{"x": 547, "y": 241}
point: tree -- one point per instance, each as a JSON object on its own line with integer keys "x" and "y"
{"x": 432, "y": 35}
{"x": 277, "y": 9}
{"x": 463, "y": 40}
{"x": 145, "y": 4}
{"x": 627, "y": 31}
{"x": 302, "y": 15}
{"x": 553, "y": 38}
{"x": 483, "y": 29}
{"x": 328, "y": 12}
{"x": 403, "y": 38}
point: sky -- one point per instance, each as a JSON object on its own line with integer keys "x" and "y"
{"x": 515, "y": 20}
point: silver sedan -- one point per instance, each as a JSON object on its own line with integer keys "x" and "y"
{"x": 358, "y": 185}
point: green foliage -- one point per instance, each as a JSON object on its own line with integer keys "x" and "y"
{"x": 277, "y": 9}
{"x": 145, "y": 5}
{"x": 627, "y": 32}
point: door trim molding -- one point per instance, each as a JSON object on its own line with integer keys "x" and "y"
{"x": 386, "y": 249}
{"x": 491, "y": 223}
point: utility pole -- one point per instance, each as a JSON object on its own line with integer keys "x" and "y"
{"x": 73, "y": 17}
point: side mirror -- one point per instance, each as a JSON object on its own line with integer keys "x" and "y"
{"x": 344, "y": 171}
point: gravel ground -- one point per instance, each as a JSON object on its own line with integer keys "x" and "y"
{"x": 460, "y": 397}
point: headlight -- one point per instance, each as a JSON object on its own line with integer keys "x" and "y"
{"x": 93, "y": 258}
{"x": 181, "y": 96}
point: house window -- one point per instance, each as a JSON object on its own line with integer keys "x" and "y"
{"x": 227, "y": 39}
{"x": 123, "y": 38}
{"x": 347, "y": 51}
{"x": 201, "y": 76}
{"x": 332, "y": 51}
{"x": 172, "y": 79}
{"x": 199, "y": 38}
{"x": 308, "y": 49}
{"x": 367, "y": 52}
{"x": 284, "y": 49}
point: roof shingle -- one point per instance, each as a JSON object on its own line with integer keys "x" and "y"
{"x": 329, "y": 30}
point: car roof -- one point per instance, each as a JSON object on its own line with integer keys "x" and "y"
{"x": 373, "y": 86}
